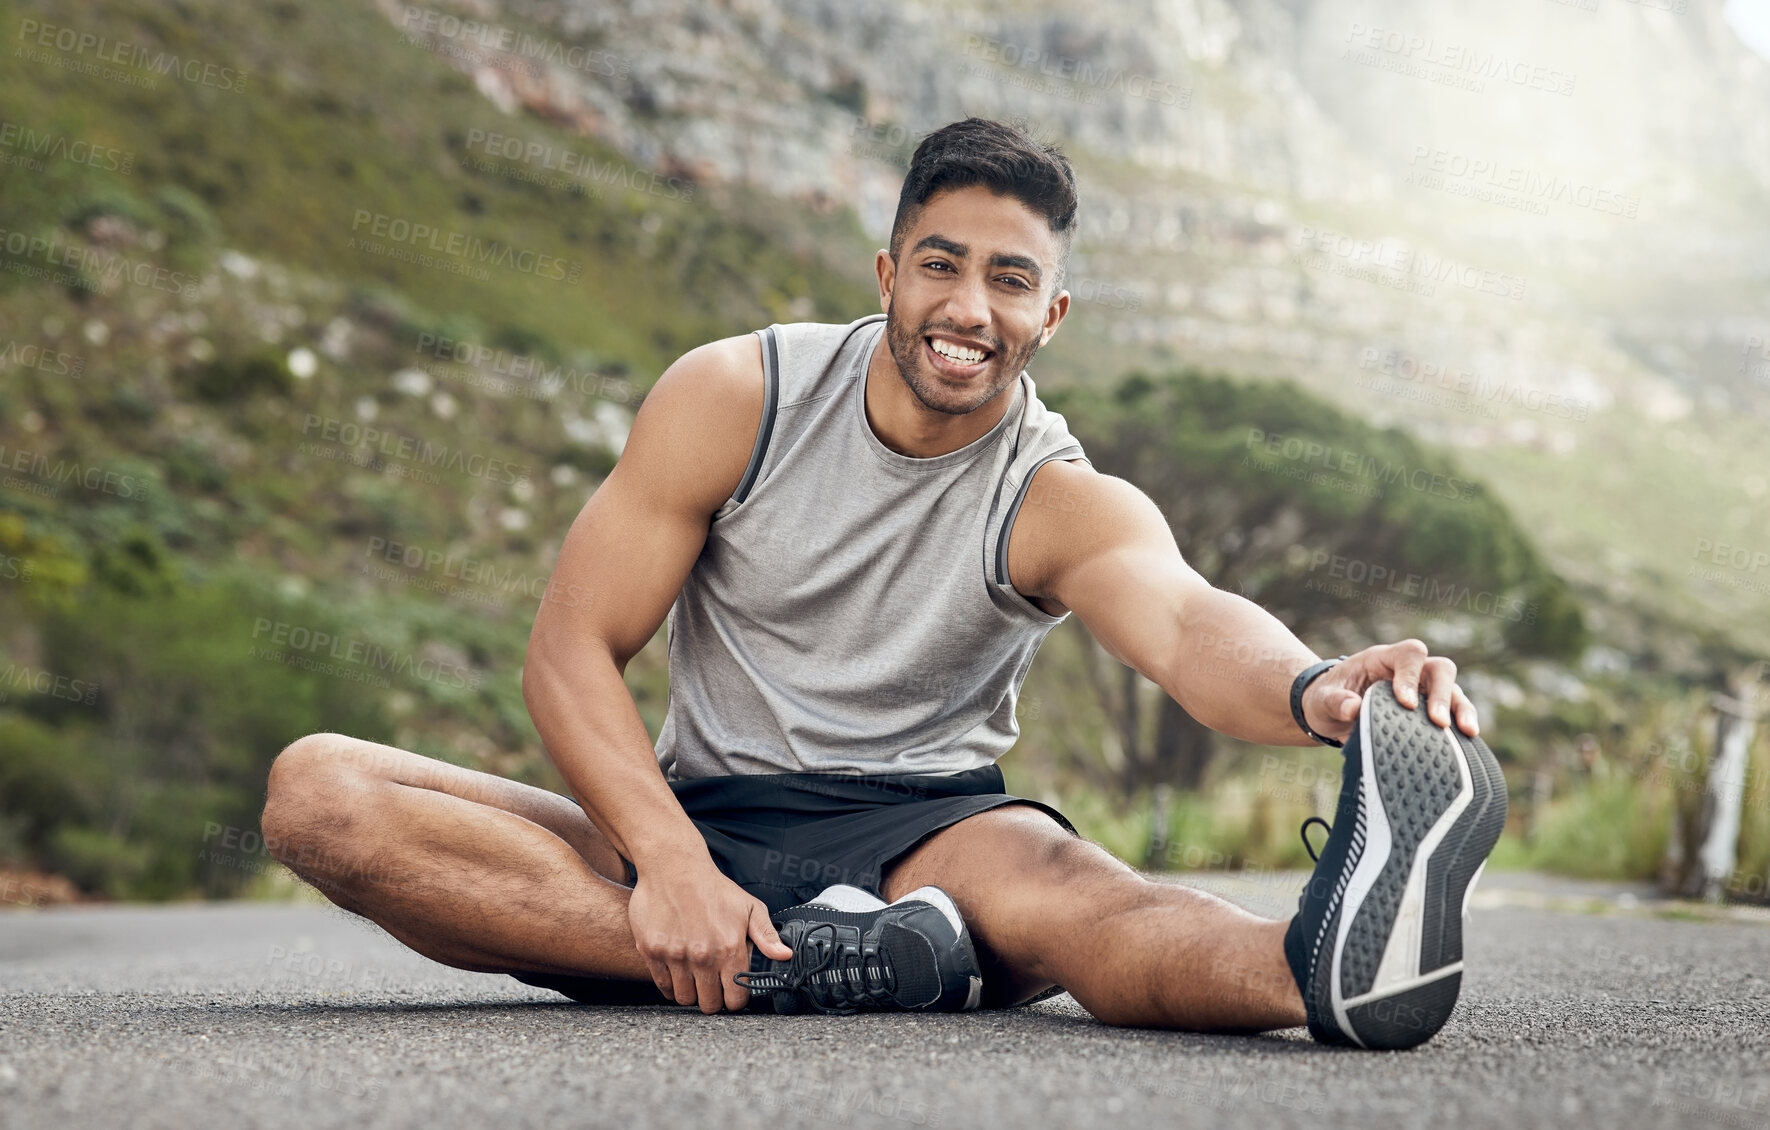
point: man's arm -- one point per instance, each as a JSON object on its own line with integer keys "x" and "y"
{"x": 619, "y": 570}
{"x": 1107, "y": 554}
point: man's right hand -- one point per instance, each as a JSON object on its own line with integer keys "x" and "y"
{"x": 694, "y": 927}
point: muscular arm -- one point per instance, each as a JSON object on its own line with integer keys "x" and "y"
{"x": 1107, "y": 554}
{"x": 619, "y": 570}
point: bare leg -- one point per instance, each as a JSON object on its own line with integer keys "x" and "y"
{"x": 467, "y": 868}
{"x": 1046, "y": 908}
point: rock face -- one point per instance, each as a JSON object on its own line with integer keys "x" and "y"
{"x": 1495, "y": 224}
{"x": 1545, "y": 141}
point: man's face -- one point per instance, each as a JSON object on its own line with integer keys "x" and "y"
{"x": 969, "y": 302}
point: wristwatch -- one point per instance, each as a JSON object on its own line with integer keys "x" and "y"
{"x": 1301, "y": 684}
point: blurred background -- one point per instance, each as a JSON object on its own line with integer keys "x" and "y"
{"x": 320, "y": 321}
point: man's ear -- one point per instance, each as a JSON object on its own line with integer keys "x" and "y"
{"x": 1054, "y": 315}
{"x": 886, "y": 268}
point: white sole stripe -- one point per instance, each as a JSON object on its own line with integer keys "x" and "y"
{"x": 1406, "y": 933}
{"x": 1412, "y": 983}
{"x": 1378, "y": 839}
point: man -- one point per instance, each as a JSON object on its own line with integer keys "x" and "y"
{"x": 860, "y": 534}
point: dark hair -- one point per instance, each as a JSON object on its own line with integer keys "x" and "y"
{"x": 1002, "y": 157}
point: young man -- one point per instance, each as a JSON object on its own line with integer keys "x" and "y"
{"x": 860, "y": 535}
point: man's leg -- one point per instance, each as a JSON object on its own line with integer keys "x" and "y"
{"x": 467, "y": 868}
{"x": 1047, "y": 908}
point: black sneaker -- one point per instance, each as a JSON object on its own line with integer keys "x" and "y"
{"x": 852, "y": 951}
{"x": 1377, "y": 943}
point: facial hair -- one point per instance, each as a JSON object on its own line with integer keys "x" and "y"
{"x": 926, "y": 386}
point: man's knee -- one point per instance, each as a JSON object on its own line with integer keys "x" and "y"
{"x": 306, "y": 795}
{"x": 1052, "y": 856}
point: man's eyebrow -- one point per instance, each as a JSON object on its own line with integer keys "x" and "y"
{"x": 942, "y": 243}
{"x": 960, "y": 251}
{"x": 1020, "y": 261}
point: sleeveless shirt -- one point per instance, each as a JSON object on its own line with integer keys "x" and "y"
{"x": 850, "y": 611}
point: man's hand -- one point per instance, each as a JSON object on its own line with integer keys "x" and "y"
{"x": 694, "y": 926}
{"x": 1332, "y": 701}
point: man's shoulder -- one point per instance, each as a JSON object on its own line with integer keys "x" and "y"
{"x": 697, "y": 424}
{"x": 1070, "y": 512}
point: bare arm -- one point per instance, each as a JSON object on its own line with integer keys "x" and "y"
{"x": 1108, "y": 555}
{"x": 619, "y": 570}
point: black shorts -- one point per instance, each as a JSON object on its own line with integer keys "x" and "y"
{"x": 784, "y": 837}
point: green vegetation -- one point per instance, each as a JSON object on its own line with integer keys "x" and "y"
{"x": 269, "y": 497}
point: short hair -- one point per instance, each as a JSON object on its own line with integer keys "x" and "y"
{"x": 1002, "y": 157}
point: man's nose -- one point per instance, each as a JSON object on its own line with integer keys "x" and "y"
{"x": 967, "y": 304}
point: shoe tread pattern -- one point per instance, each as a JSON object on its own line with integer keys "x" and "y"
{"x": 1418, "y": 780}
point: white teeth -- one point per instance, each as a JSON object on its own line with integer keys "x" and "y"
{"x": 957, "y": 353}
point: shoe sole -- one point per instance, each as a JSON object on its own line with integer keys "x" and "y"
{"x": 943, "y": 902}
{"x": 1434, "y": 803}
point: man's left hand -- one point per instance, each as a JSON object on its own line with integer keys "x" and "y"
{"x": 1332, "y": 702}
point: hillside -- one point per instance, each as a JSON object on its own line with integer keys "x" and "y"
{"x": 1565, "y": 277}
{"x": 307, "y": 361}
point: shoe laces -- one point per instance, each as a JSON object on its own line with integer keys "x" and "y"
{"x": 1304, "y": 832}
{"x": 836, "y": 968}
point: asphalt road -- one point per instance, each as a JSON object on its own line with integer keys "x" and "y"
{"x": 1582, "y": 1006}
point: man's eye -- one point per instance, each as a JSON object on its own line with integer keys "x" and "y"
{"x": 1015, "y": 280}
{"x": 938, "y": 264}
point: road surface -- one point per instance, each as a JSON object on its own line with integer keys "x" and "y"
{"x": 1583, "y": 1006}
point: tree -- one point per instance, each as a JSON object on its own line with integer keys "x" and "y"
{"x": 1348, "y": 533}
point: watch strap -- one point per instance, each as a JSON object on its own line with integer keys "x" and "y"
{"x": 1301, "y": 684}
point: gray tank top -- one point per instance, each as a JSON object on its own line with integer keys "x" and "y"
{"x": 851, "y": 609}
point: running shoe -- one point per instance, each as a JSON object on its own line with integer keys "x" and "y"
{"x": 1376, "y": 946}
{"x": 854, "y": 952}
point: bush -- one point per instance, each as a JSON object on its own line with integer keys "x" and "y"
{"x": 121, "y": 795}
{"x": 235, "y": 378}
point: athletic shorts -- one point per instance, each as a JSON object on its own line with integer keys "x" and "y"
{"x": 784, "y": 837}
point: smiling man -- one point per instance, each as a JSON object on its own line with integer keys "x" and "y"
{"x": 849, "y": 530}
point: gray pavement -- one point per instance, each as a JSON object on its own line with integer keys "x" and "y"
{"x": 1584, "y": 1005}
